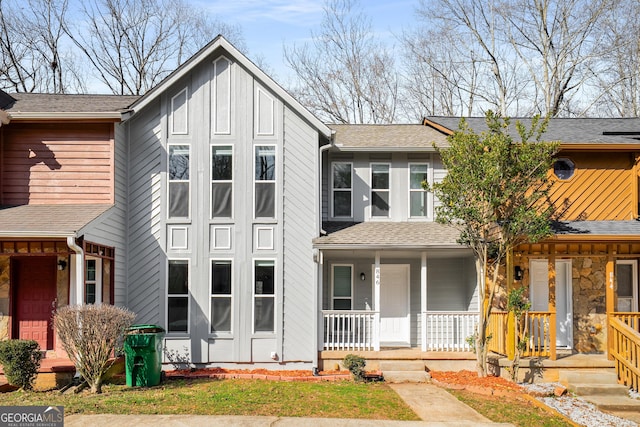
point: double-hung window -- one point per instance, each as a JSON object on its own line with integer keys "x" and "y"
{"x": 342, "y": 287}
{"x": 418, "y": 201}
{"x": 178, "y": 296}
{"x": 92, "y": 281}
{"x": 221, "y": 284}
{"x": 178, "y": 181}
{"x": 380, "y": 190}
{"x": 264, "y": 296}
{"x": 265, "y": 181}
{"x": 341, "y": 189}
{"x": 221, "y": 181}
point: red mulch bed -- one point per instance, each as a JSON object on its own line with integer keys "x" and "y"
{"x": 469, "y": 380}
{"x": 291, "y": 375}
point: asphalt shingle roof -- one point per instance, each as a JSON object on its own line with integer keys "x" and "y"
{"x": 67, "y": 103}
{"x": 567, "y": 131}
{"x": 388, "y": 235}
{"x": 59, "y": 220}
{"x": 414, "y": 137}
{"x": 598, "y": 228}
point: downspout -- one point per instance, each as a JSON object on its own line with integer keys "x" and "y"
{"x": 321, "y": 151}
{"x": 77, "y": 276}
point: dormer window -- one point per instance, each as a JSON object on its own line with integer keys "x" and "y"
{"x": 563, "y": 169}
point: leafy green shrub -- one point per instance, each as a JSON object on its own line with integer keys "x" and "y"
{"x": 355, "y": 364}
{"x": 20, "y": 360}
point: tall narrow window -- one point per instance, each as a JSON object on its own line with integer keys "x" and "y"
{"x": 342, "y": 287}
{"x": 418, "y": 173}
{"x": 341, "y": 188}
{"x": 221, "y": 296}
{"x": 221, "y": 181}
{"x": 92, "y": 281}
{"x": 178, "y": 296}
{"x": 264, "y": 297}
{"x": 265, "y": 181}
{"x": 379, "y": 190}
{"x": 178, "y": 181}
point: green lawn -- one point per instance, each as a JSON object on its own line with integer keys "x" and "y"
{"x": 502, "y": 409}
{"x": 232, "y": 397}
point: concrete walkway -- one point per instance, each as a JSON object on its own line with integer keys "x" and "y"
{"x": 435, "y": 406}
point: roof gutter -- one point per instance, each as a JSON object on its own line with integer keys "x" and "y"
{"x": 80, "y": 115}
{"x": 36, "y": 234}
{"x": 384, "y": 247}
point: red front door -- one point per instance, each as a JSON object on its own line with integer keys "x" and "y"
{"x": 34, "y": 284}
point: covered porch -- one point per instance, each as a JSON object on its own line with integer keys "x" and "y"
{"x": 395, "y": 286}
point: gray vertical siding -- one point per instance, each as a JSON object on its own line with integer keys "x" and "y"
{"x": 300, "y": 222}
{"x": 146, "y": 263}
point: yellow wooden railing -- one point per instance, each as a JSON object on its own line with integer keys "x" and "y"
{"x": 624, "y": 341}
{"x": 539, "y": 343}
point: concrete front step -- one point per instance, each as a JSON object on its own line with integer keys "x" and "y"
{"x": 406, "y": 376}
{"x": 601, "y": 376}
{"x": 599, "y": 389}
{"x": 614, "y": 403}
{"x": 402, "y": 365}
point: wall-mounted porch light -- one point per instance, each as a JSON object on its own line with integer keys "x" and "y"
{"x": 62, "y": 264}
{"x": 362, "y": 276}
{"x": 517, "y": 273}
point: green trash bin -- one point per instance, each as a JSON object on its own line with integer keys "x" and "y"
{"x": 143, "y": 355}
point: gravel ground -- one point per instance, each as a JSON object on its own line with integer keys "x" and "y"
{"x": 576, "y": 409}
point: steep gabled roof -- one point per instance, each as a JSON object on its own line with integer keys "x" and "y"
{"x": 221, "y": 43}
{"x": 403, "y": 137}
{"x": 620, "y": 132}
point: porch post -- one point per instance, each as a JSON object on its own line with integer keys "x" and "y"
{"x": 376, "y": 302}
{"x": 609, "y": 295}
{"x": 552, "y": 301}
{"x": 512, "y": 325}
{"x": 423, "y": 299}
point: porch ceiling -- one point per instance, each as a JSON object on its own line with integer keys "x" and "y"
{"x": 47, "y": 220}
{"x": 388, "y": 235}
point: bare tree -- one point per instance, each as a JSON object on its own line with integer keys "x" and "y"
{"x": 618, "y": 74}
{"x": 560, "y": 42}
{"x": 133, "y": 44}
{"x": 31, "y": 46}
{"x": 344, "y": 75}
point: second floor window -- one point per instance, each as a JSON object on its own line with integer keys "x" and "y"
{"x": 221, "y": 181}
{"x": 418, "y": 173}
{"x": 178, "y": 181}
{"x": 380, "y": 190}
{"x": 265, "y": 181}
{"x": 341, "y": 189}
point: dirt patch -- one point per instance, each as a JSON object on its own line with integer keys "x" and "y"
{"x": 292, "y": 375}
{"x": 469, "y": 380}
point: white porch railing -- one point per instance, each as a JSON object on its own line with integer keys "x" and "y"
{"x": 350, "y": 330}
{"x": 448, "y": 330}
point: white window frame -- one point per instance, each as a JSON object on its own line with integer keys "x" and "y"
{"x": 187, "y": 295}
{"x": 634, "y": 283}
{"x": 372, "y": 190}
{"x": 222, "y": 181}
{"x": 212, "y": 296}
{"x": 333, "y": 297}
{"x": 97, "y": 282}
{"x": 254, "y": 296}
{"x": 274, "y": 182}
{"x": 427, "y": 208}
{"x": 341, "y": 190}
{"x": 169, "y": 180}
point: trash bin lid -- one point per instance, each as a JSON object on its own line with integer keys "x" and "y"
{"x": 145, "y": 329}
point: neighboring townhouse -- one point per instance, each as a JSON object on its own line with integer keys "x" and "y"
{"x": 63, "y": 208}
{"x": 391, "y": 276}
{"x": 582, "y": 281}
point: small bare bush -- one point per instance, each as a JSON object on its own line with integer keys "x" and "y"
{"x": 91, "y": 335}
